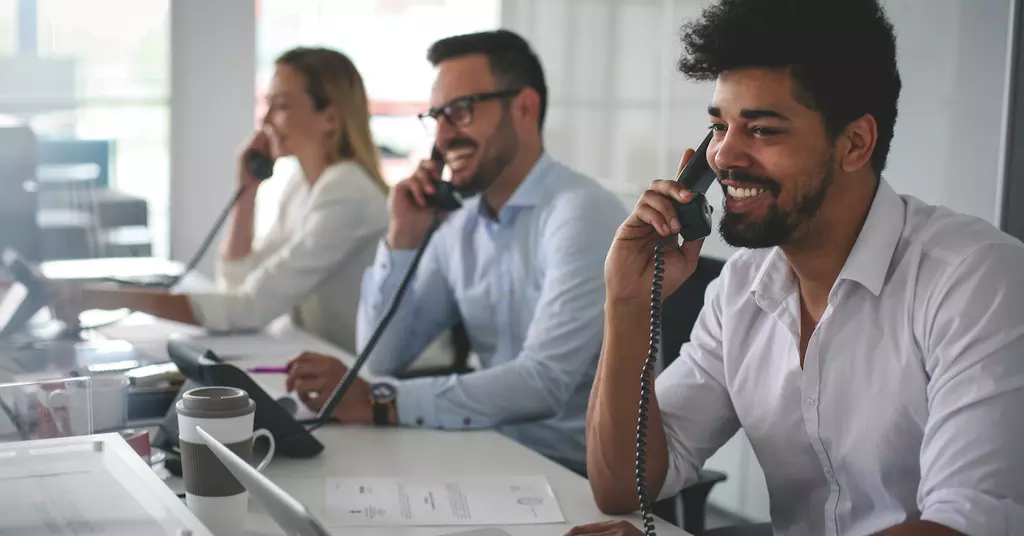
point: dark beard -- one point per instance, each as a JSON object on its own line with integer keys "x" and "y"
{"x": 500, "y": 148}
{"x": 777, "y": 227}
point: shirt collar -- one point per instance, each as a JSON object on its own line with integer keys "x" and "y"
{"x": 331, "y": 172}
{"x": 868, "y": 262}
{"x": 530, "y": 192}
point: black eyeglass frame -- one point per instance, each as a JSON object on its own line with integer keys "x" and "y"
{"x": 462, "y": 104}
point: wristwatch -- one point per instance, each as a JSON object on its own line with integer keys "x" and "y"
{"x": 382, "y": 395}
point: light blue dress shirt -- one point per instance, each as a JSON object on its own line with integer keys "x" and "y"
{"x": 529, "y": 287}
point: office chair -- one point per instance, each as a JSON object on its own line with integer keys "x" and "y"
{"x": 19, "y": 228}
{"x": 76, "y": 195}
{"x": 679, "y": 315}
{"x": 459, "y": 339}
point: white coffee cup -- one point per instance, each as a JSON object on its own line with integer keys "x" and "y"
{"x": 212, "y": 493}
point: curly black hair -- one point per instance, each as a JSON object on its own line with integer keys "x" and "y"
{"x": 840, "y": 53}
{"x": 513, "y": 63}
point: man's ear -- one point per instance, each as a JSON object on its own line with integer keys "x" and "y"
{"x": 857, "y": 143}
{"x": 527, "y": 106}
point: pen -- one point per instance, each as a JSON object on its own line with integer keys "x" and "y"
{"x": 283, "y": 369}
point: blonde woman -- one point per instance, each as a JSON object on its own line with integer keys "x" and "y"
{"x": 332, "y": 214}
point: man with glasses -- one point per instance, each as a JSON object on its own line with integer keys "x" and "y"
{"x": 521, "y": 264}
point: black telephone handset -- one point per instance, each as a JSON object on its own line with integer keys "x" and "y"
{"x": 260, "y": 165}
{"x": 444, "y": 198}
{"x": 695, "y": 222}
{"x": 696, "y": 176}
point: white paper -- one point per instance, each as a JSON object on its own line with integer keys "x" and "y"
{"x": 235, "y": 347}
{"x": 489, "y": 531}
{"x": 69, "y": 499}
{"x": 462, "y": 501}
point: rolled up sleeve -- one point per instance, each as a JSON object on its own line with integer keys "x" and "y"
{"x": 972, "y": 471}
{"x": 696, "y": 380}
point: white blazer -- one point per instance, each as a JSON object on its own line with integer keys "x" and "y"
{"x": 310, "y": 264}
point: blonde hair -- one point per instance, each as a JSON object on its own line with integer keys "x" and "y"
{"x": 332, "y": 80}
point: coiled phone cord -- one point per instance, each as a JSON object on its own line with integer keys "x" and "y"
{"x": 646, "y": 377}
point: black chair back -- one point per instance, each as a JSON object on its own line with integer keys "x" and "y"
{"x": 680, "y": 310}
{"x": 18, "y": 197}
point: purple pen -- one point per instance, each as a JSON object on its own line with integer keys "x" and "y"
{"x": 283, "y": 369}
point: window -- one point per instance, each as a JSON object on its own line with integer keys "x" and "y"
{"x": 387, "y": 40}
{"x": 110, "y": 59}
{"x": 8, "y": 24}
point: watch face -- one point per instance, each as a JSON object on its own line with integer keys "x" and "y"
{"x": 383, "y": 392}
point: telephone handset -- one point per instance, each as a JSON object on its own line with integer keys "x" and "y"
{"x": 695, "y": 222}
{"x": 696, "y": 176}
{"x": 444, "y": 197}
{"x": 260, "y": 165}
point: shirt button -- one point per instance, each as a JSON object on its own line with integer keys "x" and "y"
{"x": 810, "y": 402}
{"x": 419, "y": 421}
{"x": 466, "y": 421}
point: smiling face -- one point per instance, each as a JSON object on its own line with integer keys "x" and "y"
{"x": 772, "y": 155}
{"x": 293, "y": 123}
{"x": 484, "y": 140}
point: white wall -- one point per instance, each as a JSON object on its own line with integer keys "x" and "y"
{"x": 949, "y": 135}
{"x": 213, "y": 72}
{"x": 620, "y": 112}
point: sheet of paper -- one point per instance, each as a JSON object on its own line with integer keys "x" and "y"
{"x": 138, "y": 329}
{"x": 461, "y": 501}
{"x": 259, "y": 345}
{"x": 70, "y": 500}
{"x": 489, "y": 531}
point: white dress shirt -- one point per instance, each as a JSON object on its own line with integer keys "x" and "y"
{"x": 310, "y": 263}
{"x": 910, "y": 404}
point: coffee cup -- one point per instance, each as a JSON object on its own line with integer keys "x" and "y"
{"x": 212, "y": 493}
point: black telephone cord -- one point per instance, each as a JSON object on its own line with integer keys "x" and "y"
{"x": 196, "y": 257}
{"x": 646, "y": 377}
{"x": 324, "y": 415}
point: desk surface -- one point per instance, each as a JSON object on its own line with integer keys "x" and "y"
{"x": 406, "y": 452}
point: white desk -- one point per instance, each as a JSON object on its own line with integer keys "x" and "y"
{"x": 398, "y": 452}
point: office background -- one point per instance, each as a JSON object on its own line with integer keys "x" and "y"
{"x": 175, "y": 88}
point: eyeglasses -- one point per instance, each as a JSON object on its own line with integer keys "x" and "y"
{"x": 459, "y": 112}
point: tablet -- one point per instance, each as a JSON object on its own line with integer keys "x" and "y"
{"x": 288, "y": 513}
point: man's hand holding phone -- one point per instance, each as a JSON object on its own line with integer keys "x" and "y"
{"x": 410, "y": 214}
{"x": 629, "y": 266}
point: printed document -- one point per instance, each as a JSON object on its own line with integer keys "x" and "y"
{"x": 458, "y": 501}
{"x": 65, "y": 499}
